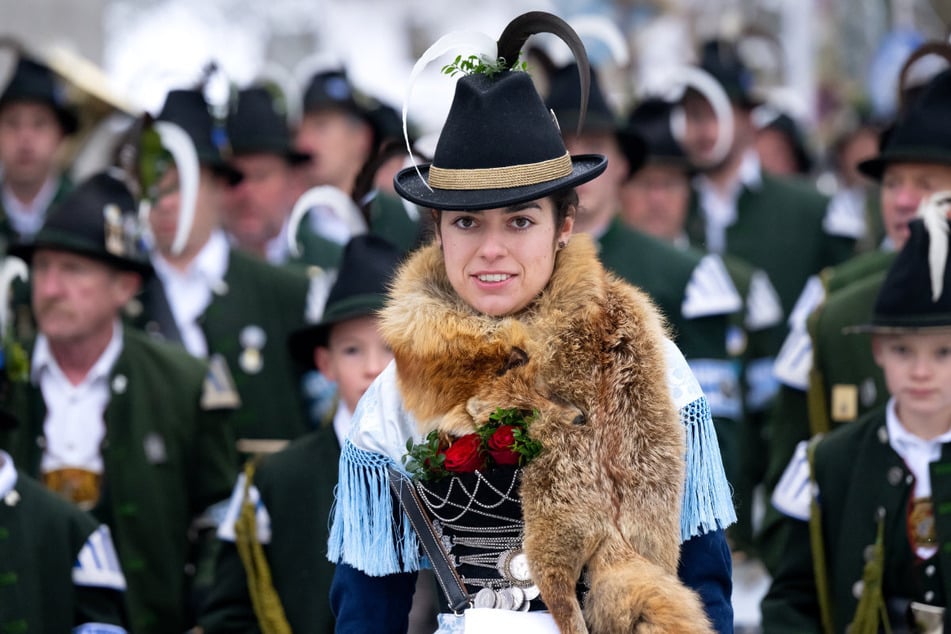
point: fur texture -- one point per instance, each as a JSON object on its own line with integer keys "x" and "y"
{"x": 605, "y": 494}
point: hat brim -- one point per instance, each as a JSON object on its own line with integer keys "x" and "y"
{"x": 874, "y": 167}
{"x": 289, "y": 154}
{"x": 409, "y": 185}
{"x": 912, "y": 326}
{"x": 25, "y": 252}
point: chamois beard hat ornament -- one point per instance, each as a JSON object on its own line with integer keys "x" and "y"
{"x": 98, "y": 219}
{"x": 500, "y": 144}
{"x": 916, "y": 293}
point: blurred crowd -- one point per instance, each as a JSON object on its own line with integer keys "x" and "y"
{"x": 188, "y": 326}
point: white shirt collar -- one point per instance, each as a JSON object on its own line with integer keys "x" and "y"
{"x": 276, "y": 249}
{"x": 43, "y": 358}
{"x": 8, "y": 473}
{"x": 342, "y": 419}
{"x": 28, "y": 217}
{"x": 904, "y": 442}
{"x": 210, "y": 264}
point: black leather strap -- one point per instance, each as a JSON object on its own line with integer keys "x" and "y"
{"x": 446, "y": 574}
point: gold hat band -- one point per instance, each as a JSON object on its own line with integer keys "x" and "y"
{"x": 500, "y": 177}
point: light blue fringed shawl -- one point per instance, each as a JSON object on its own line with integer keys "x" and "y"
{"x": 367, "y": 533}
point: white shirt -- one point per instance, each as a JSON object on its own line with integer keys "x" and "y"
{"x": 189, "y": 292}
{"x": 719, "y": 210}
{"x": 917, "y": 454}
{"x": 75, "y": 425}
{"x": 27, "y": 218}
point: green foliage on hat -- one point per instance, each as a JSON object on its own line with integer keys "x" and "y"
{"x": 480, "y": 65}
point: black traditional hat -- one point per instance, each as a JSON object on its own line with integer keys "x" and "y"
{"x": 787, "y": 126}
{"x": 255, "y": 125}
{"x": 332, "y": 89}
{"x": 564, "y": 97}
{"x": 188, "y": 109}
{"x": 34, "y": 81}
{"x": 721, "y": 59}
{"x": 500, "y": 144}
{"x": 98, "y": 219}
{"x": 651, "y": 121}
{"x": 921, "y": 135}
{"x": 367, "y": 265}
{"x": 916, "y": 292}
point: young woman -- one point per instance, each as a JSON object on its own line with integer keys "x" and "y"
{"x": 504, "y": 258}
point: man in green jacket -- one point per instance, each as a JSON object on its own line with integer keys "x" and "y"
{"x": 220, "y": 303}
{"x": 35, "y": 120}
{"x": 134, "y": 430}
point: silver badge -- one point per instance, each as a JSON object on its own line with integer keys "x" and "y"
{"x": 867, "y": 392}
{"x": 154, "y": 448}
{"x": 119, "y": 383}
{"x": 12, "y": 498}
{"x": 252, "y": 337}
{"x": 250, "y": 360}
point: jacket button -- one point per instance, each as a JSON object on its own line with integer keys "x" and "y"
{"x": 857, "y": 588}
{"x": 895, "y": 475}
{"x": 41, "y": 442}
{"x": 929, "y": 570}
{"x": 929, "y": 596}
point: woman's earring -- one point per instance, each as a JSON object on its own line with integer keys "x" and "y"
{"x": 562, "y": 244}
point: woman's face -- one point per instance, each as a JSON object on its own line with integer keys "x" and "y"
{"x": 499, "y": 260}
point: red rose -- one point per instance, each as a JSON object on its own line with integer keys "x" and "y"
{"x": 502, "y": 446}
{"x": 465, "y": 455}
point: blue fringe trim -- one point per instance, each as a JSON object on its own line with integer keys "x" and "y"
{"x": 707, "y": 503}
{"x": 367, "y": 533}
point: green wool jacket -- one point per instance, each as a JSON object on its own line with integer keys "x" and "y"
{"x": 40, "y": 539}
{"x": 860, "y": 479}
{"x": 257, "y": 299}
{"x": 168, "y": 457}
{"x": 845, "y": 382}
{"x": 297, "y": 489}
{"x": 779, "y": 229}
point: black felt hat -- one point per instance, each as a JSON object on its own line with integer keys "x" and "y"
{"x": 256, "y": 125}
{"x": 906, "y": 301}
{"x": 500, "y": 144}
{"x": 721, "y": 59}
{"x": 921, "y": 135}
{"x": 366, "y": 268}
{"x": 564, "y": 98}
{"x": 189, "y": 110}
{"x": 650, "y": 119}
{"x": 332, "y": 89}
{"x": 98, "y": 219}
{"x": 34, "y": 81}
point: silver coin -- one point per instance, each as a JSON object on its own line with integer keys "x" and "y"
{"x": 518, "y": 597}
{"x": 504, "y": 599}
{"x": 518, "y": 567}
{"x": 484, "y": 598}
{"x": 531, "y": 593}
